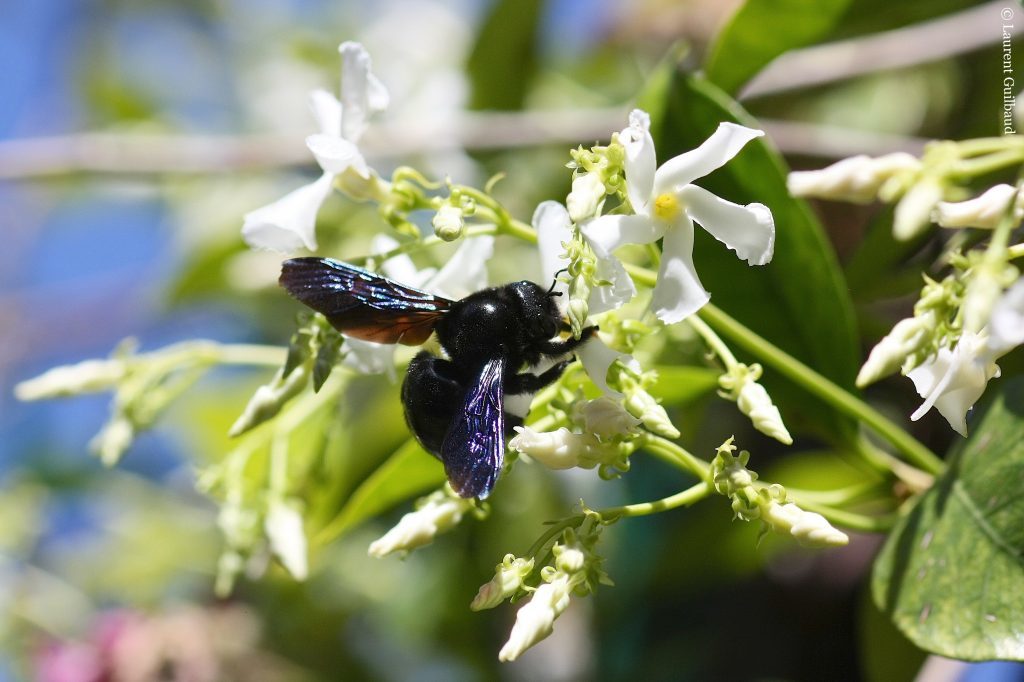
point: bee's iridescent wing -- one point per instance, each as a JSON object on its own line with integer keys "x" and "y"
{"x": 474, "y": 447}
{"x": 362, "y": 304}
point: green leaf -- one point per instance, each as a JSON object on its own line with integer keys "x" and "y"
{"x": 679, "y": 384}
{"x": 951, "y": 575}
{"x": 761, "y": 30}
{"x": 799, "y": 301}
{"x": 504, "y": 58}
{"x": 408, "y": 472}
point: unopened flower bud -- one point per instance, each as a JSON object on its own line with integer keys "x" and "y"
{"x": 113, "y": 440}
{"x": 586, "y": 197}
{"x": 563, "y": 449}
{"x": 449, "y": 223}
{"x": 983, "y": 211}
{"x": 283, "y": 525}
{"x": 536, "y": 620}
{"x": 568, "y": 558}
{"x": 889, "y": 354}
{"x": 268, "y": 399}
{"x": 808, "y": 528}
{"x": 508, "y": 579}
{"x": 440, "y": 513}
{"x": 607, "y": 418}
{"x": 754, "y": 402}
{"x": 856, "y": 179}
{"x": 913, "y": 212}
{"x": 85, "y": 377}
{"x": 644, "y": 407}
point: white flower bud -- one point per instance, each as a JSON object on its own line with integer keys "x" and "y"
{"x": 856, "y": 179}
{"x": 586, "y": 197}
{"x": 982, "y": 292}
{"x": 562, "y": 449}
{"x": 644, "y": 407}
{"x": 449, "y": 223}
{"x": 1006, "y": 325}
{"x": 268, "y": 399}
{"x": 607, "y": 418}
{"x": 569, "y": 558}
{"x": 440, "y": 514}
{"x": 985, "y": 210}
{"x": 536, "y": 619}
{"x": 508, "y": 579}
{"x": 913, "y": 212}
{"x": 892, "y": 351}
{"x": 113, "y": 440}
{"x": 808, "y": 528}
{"x": 953, "y": 380}
{"x": 85, "y": 377}
{"x": 283, "y": 525}
{"x": 754, "y": 402}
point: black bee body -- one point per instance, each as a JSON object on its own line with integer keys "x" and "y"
{"x": 455, "y": 406}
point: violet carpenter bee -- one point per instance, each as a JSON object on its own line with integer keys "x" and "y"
{"x": 455, "y": 406}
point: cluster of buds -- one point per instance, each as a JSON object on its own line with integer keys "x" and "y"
{"x": 751, "y": 502}
{"x": 437, "y": 513}
{"x": 606, "y": 440}
{"x": 597, "y": 173}
{"x": 575, "y": 570}
{"x": 633, "y": 383}
{"x": 739, "y": 384}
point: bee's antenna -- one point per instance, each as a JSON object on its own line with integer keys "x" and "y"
{"x": 554, "y": 283}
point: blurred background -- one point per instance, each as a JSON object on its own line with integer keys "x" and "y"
{"x": 133, "y": 137}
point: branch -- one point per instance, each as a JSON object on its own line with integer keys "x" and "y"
{"x": 921, "y": 43}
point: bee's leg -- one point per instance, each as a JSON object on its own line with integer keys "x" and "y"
{"x": 432, "y": 395}
{"x": 531, "y": 383}
{"x": 567, "y": 346}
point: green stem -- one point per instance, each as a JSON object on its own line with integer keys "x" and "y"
{"x": 987, "y": 145}
{"x": 848, "y": 519}
{"x": 714, "y": 341}
{"x": 969, "y": 168}
{"x": 685, "y": 498}
{"x": 555, "y": 529}
{"x": 675, "y": 454}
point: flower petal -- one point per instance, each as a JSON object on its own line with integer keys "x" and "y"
{"x": 361, "y": 92}
{"x": 748, "y": 230}
{"x": 367, "y": 357}
{"x": 954, "y": 380}
{"x": 289, "y": 223}
{"x": 1006, "y": 324}
{"x": 620, "y": 291}
{"x": 466, "y": 271}
{"x": 554, "y": 228}
{"x": 597, "y": 359}
{"x": 607, "y": 233}
{"x": 336, "y": 154}
{"x": 678, "y": 293}
{"x": 400, "y": 268}
{"x": 327, "y": 112}
{"x": 725, "y": 143}
{"x": 640, "y": 159}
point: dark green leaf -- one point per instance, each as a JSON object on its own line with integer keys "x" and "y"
{"x": 677, "y": 385}
{"x": 951, "y": 574}
{"x": 409, "y": 472}
{"x": 504, "y": 57}
{"x": 798, "y": 301}
{"x": 761, "y": 30}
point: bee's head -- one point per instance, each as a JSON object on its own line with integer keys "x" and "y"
{"x": 540, "y": 314}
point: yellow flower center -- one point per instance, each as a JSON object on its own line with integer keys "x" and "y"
{"x": 666, "y": 206}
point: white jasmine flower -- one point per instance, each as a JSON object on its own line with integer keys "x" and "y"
{"x": 597, "y": 358}
{"x": 586, "y": 196}
{"x": 508, "y": 579}
{"x": 606, "y": 418}
{"x": 440, "y": 513}
{"x": 856, "y": 179}
{"x": 464, "y": 273}
{"x": 536, "y": 619}
{"x": 554, "y": 228}
{"x": 290, "y": 222}
{"x": 808, "y": 528}
{"x": 562, "y": 449}
{"x": 953, "y": 380}
{"x": 985, "y": 210}
{"x": 667, "y": 204}
{"x": 287, "y": 538}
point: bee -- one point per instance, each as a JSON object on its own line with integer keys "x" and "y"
{"x": 455, "y": 406}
